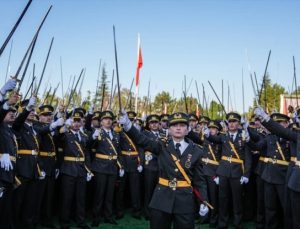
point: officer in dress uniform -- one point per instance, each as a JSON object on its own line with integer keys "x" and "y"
{"x": 47, "y": 162}
{"x": 290, "y": 204}
{"x": 210, "y": 161}
{"x": 106, "y": 166}
{"x": 193, "y": 121}
{"x": 132, "y": 158}
{"x": 234, "y": 169}
{"x": 74, "y": 170}
{"x": 27, "y": 167}
{"x": 151, "y": 162}
{"x": 164, "y": 125}
{"x": 180, "y": 175}
{"x": 274, "y": 174}
{"x": 257, "y": 132}
{"x": 8, "y": 153}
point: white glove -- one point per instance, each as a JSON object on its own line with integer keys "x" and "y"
{"x": 89, "y": 177}
{"x": 42, "y": 176}
{"x": 8, "y": 86}
{"x": 217, "y": 180}
{"x": 206, "y": 132}
{"x": 91, "y": 109}
{"x": 203, "y": 210}
{"x": 69, "y": 122}
{"x": 56, "y": 173}
{"x": 296, "y": 118}
{"x": 246, "y": 135}
{"x": 261, "y": 114}
{"x": 1, "y": 191}
{"x": 121, "y": 172}
{"x": 125, "y": 121}
{"x": 58, "y": 122}
{"x": 244, "y": 180}
{"x": 96, "y": 134}
{"x": 6, "y": 162}
{"x": 31, "y": 104}
{"x": 140, "y": 168}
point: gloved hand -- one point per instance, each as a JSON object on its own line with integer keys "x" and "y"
{"x": 203, "y": 210}
{"x": 246, "y": 135}
{"x": 96, "y": 134}
{"x": 296, "y": 118}
{"x": 261, "y": 114}
{"x": 217, "y": 180}
{"x": 69, "y": 122}
{"x": 31, "y": 104}
{"x": 89, "y": 177}
{"x": 6, "y": 162}
{"x": 121, "y": 172}
{"x": 42, "y": 175}
{"x": 125, "y": 121}
{"x": 140, "y": 168}
{"x": 244, "y": 180}
{"x": 91, "y": 109}
{"x": 8, "y": 86}
{"x": 206, "y": 132}
{"x": 58, "y": 122}
{"x": 56, "y": 173}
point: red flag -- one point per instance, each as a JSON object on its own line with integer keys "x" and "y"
{"x": 139, "y": 62}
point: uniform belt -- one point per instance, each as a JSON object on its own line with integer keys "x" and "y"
{"x": 106, "y": 157}
{"x": 263, "y": 159}
{"x": 174, "y": 183}
{"x": 60, "y": 149}
{"x": 293, "y": 159}
{"x": 47, "y": 154}
{"x": 12, "y": 158}
{"x": 232, "y": 159}
{"x": 129, "y": 153}
{"x": 148, "y": 153}
{"x": 27, "y": 152}
{"x": 275, "y": 161}
{"x": 75, "y": 159}
{"x": 209, "y": 161}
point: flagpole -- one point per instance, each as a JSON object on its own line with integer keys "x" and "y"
{"x": 136, "y": 98}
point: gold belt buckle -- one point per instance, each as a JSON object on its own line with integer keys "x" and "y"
{"x": 274, "y": 161}
{"x": 49, "y": 154}
{"x": 206, "y": 160}
{"x": 77, "y": 159}
{"x": 33, "y": 152}
{"x": 110, "y": 157}
{"x": 173, "y": 184}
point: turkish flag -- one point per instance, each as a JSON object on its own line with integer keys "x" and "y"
{"x": 139, "y": 62}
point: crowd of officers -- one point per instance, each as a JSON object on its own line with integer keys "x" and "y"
{"x": 168, "y": 169}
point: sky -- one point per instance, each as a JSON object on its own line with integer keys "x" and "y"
{"x": 204, "y": 40}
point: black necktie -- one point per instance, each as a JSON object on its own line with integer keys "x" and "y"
{"x": 77, "y": 137}
{"x": 231, "y": 137}
{"x": 177, "y": 146}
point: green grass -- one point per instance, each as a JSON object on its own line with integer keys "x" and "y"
{"x": 131, "y": 223}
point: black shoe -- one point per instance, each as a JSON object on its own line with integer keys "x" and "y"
{"x": 95, "y": 223}
{"x": 110, "y": 221}
{"x": 84, "y": 226}
{"x": 119, "y": 215}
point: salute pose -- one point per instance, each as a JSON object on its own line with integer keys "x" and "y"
{"x": 180, "y": 175}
